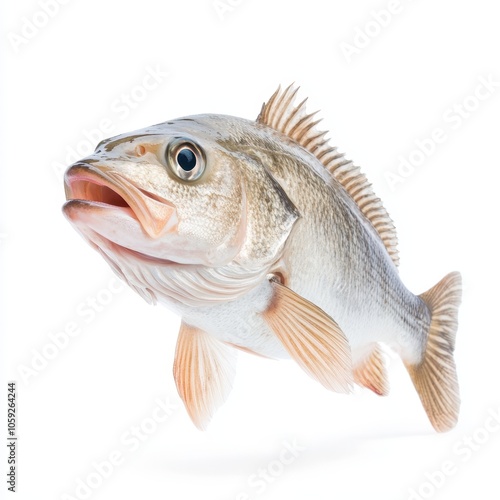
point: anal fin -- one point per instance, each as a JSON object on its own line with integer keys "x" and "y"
{"x": 370, "y": 371}
{"x": 311, "y": 337}
{"x": 204, "y": 369}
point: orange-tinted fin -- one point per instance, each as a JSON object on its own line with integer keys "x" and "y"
{"x": 311, "y": 337}
{"x": 204, "y": 369}
{"x": 247, "y": 350}
{"x": 370, "y": 371}
{"x": 282, "y": 114}
{"x": 435, "y": 377}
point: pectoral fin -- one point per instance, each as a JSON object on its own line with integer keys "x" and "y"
{"x": 312, "y": 338}
{"x": 204, "y": 369}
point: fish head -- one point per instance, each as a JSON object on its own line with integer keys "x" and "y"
{"x": 166, "y": 194}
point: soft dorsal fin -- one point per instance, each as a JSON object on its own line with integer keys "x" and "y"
{"x": 281, "y": 114}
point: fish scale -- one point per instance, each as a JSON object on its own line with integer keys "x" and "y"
{"x": 264, "y": 238}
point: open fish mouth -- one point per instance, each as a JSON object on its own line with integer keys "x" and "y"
{"x": 97, "y": 189}
{"x": 93, "y": 188}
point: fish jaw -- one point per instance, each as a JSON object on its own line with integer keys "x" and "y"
{"x": 102, "y": 204}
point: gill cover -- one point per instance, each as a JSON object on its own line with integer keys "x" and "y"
{"x": 270, "y": 215}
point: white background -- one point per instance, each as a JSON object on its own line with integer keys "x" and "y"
{"x": 76, "y": 408}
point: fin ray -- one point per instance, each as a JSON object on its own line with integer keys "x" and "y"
{"x": 435, "y": 377}
{"x": 204, "y": 370}
{"x": 312, "y": 338}
{"x": 282, "y": 115}
{"x": 370, "y": 371}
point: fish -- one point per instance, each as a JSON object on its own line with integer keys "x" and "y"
{"x": 264, "y": 239}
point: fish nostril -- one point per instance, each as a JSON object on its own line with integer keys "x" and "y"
{"x": 140, "y": 150}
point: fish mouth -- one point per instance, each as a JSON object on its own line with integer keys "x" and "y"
{"x": 89, "y": 187}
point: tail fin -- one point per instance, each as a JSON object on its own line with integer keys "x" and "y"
{"x": 435, "y": 377}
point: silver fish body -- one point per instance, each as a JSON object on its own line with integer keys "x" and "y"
{"x": 279, "y": 248}
{"x": 332, "y": 257}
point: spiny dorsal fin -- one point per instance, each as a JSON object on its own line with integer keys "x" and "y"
{"x": 282, "y": 115}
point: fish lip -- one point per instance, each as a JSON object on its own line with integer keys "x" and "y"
{"x": 97, "y": 185}
{"x": 142, "y": 257}
{"x": 104, "y": 244}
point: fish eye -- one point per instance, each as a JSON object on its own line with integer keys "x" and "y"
{"x": 186, "y": 160}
